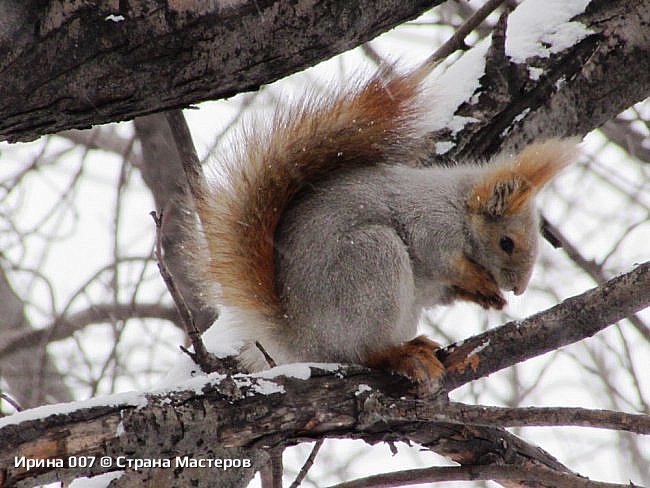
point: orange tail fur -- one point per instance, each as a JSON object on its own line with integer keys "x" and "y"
{"x": 240, "y": 211}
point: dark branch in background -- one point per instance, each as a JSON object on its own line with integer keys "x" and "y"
{"x": 67, "y": 325}
{"x": 457, "y": 41}
{"x": 595, "y": 271}
{"x": 104, "y": 139}
{"x": 620, "y": 132}
{"x": 18, "y": 367}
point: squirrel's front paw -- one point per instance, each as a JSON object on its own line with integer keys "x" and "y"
{"x": 474, "y": 283}
{"x": 415, "y": 359}
{"x": 486, "y": 299}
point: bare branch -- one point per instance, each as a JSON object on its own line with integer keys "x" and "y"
{"x": 457, "y": 41}
{"x": 308, "y": 464}
{"x": 207, "y": 362}
{"x": 65, "y": 326}
{"x": 521, "y": 417}
{"x": 572, "y": 320}
{"x": 621, "y": 133}
{"x": 538, "y": 475}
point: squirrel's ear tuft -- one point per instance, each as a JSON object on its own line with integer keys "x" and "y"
{"x": 509, "y": 185}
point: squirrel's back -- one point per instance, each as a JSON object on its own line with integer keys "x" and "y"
{"x": 360, "y": 126}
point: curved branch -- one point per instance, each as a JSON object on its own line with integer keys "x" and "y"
{"x": 536, "y": 474}
{"x": 574, "y": 319}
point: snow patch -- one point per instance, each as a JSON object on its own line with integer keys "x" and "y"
{"x": 521, "y": 116}
{"x": 129, "y": 398}
{"x": 301, "y": 371}
{"x": 362, "y": 389}
{"x": 115, "y": 18}
{"x": 455, "y": 86}
{"x": 535, "y": 73}
{"x": 266, "y": 387}
{"x": 444, "y": 147}
{"x": 479, "y": 348}
{"x": 543, "y": 27}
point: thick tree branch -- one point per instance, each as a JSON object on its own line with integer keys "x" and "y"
{"x": 578, "y": 90}
{"x": 252, "y": 411}
{"x": 82, "y": 85}
{"x": 109, "y": 62}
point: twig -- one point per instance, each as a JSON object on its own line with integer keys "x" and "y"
{"x": 195, "y": 179}
{"x": 593, "y": 269}
{"x": 308, "y": 464}
{"x": 540, "y": 475}
{"x": 514, "y": 417}
{"x": 548, "y": 416}
{"x": 457, "y": 41}
{"x": 267, "y": 357}
{"x": 207, "y": 362}
{"x": 11, "y": 402}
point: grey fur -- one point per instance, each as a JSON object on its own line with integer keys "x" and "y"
{"x": 362, "y": 253}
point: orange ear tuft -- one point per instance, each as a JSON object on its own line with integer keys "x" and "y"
{"x": 510, "y": 185}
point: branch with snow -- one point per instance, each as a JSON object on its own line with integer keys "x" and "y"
{"x": 265, "y": 410}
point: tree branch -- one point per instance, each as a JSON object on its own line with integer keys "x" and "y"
{"x": 259, "y": 412}
{"x": 65, "y": 326}
{"x": 143, "y": 60}
{"x": 537, "y": 474}
{"x": 572, "y": 320}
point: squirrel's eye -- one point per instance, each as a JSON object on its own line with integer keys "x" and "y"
{"x": 507, "y": 245}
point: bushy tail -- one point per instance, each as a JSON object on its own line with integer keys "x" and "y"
{"x": 241, "y": 209}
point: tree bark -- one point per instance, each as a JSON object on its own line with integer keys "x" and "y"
{"x": 580, "y": 88}
{"x": 74, "y": 64}
{"x": 254, "y": 412}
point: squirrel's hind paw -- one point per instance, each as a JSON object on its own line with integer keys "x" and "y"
{"x": 415, "y": 359}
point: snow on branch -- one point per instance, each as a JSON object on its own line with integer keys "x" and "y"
{"x": 262, "y": 411}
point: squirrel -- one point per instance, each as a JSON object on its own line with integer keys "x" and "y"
{"x": 327, "y": 238}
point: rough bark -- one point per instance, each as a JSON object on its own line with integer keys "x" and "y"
{"x": 579, "y": 90}
{"x": 254, "y": 412}
{"x": 109, "y": 61}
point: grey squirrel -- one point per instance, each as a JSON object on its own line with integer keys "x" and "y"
{"x": 327, "y": 240}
